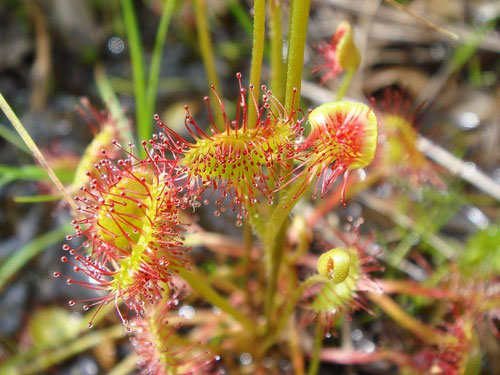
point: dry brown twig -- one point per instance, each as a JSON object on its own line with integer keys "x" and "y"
{"x": 422, "y": 20}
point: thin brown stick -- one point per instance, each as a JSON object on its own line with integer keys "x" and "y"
{"x": 422, "y": 20}
{"x": 41, "y": 70}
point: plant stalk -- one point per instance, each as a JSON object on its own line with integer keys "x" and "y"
{"x": 346, "y": 81}
{"x": 274, "y": 240}
{"x": 276, "y": 254}
{"x": 273, "y": 336}
{"x": 419, "y": 329}
{"x": 298, "y": 35}
{"x": 259, "y": 31}
{"x": 278, "y": 228}
{"x": 247, "y": 258}
{"x": 203, "y": 288}
{"x": 318, "y": 343}
{"x": 277, "y": 73}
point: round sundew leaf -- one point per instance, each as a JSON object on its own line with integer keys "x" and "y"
{"x": 334, "y": 296}
{"x": 348, "y": 129}
{"x": 228, "y": 157}
{"x": 237, "y": 161}
{"x": 125, "y": 216}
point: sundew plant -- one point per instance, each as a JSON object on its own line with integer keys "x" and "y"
{"x": 296, "y": 218}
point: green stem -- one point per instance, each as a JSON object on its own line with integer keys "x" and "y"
{"x": 292, "y": 301}
{"x": 274, "y": 238}
{"x": 259, "y": 31}
{"x": 318, "y": 343}
{"x": 277, "y": 73}
{"x": 345, "y": 84}
{"x": 298, "y": 35}
{"x": 154, "y": 70}
{"x": 285, "y": 205}
{"x": 275, "y": 253}
{"x": 423, "y": 331}
{"x": 203, "y": 288}
{"x": 144, "y": 124}
{"x": 277, "y": 226}
{"x": 32, "y": 172}
{"x": 207, "y": 55}
{"x": 247, "y": 256}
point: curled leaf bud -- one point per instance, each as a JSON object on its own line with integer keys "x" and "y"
{"x": 347, "y": 270}
{"x": 335, "y": 264}
{"x": 348, "y": 55}
{"x": 339, "y": 55}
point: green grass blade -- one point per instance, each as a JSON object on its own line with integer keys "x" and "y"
{"x": 37, "y": 198}
{"x": 33, "y": 173}
{"x": 17, "y": 260}
{"x": 241, "y": 15}
{"x": 13, "y": 138}
{"x": 144, "y": 123}
{"x": 154, "y": 70}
